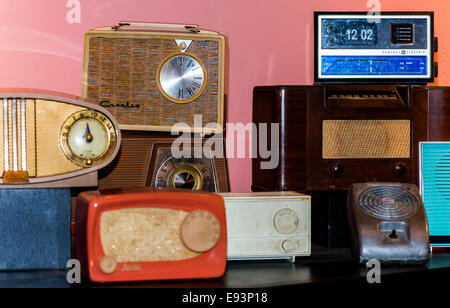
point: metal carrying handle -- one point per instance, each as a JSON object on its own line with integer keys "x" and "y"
{"x": 150, "y": 25}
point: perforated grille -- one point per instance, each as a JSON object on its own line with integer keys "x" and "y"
{"x": 388, "y": 203}
{"x": 435, "y": 185}
{"x": 43, "y": 120}
{"x": 143, "y": 235}
{"x": 359, "y": 139}
{"x": 122, "y": 71}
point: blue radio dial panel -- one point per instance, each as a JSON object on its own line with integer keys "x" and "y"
{"x": 374, "y": 65}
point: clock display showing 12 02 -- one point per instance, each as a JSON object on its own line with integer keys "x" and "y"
{"x": 349, "y": 32}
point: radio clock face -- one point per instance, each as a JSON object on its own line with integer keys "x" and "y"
{"x": 87, "y": 138}
{"x": 181, "y": 78}
{"x": 184, "y": 173}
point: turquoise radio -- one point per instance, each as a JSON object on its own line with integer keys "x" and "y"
{"x": 435, "y": 190}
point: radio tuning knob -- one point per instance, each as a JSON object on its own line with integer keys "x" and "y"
{"x": 331, "y": 41}
{"x": 286, "y": 221}
{"x": 200, "y": 231}
{"x": 400, "y": 168}
{"x": 286, "y": 245}
{"x": 336, "y": 169}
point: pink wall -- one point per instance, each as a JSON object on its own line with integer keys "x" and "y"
{"x": 270, "y": 42}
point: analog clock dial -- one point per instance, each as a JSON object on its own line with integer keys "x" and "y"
{"x": 181, "y": 78}
{"x": 87, "y": 138}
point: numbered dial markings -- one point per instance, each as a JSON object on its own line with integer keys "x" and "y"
{"x": 192, "y": 174}
{"x": 87, "y": 138}
{"x": 181, "y": 78}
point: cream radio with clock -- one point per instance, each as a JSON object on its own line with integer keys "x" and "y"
{"x": 268, "y": 225}
{"x": 152, "y": 76}
{"x": 50, "y": 139}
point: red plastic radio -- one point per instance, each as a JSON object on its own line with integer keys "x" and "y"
{"x": 137, "y": 235}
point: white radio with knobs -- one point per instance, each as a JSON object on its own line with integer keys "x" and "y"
{"x": 268, "y": 225}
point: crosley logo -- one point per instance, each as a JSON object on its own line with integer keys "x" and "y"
{"x": 127, "y": 105}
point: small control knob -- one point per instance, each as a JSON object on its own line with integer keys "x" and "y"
{"x": 200, "y": 231}
{"x": 286, "y": 245}
{"x": 332, "y": 41}
{"x": 400, "y": 168}
{"x": 336, "y": 169}
{"x": 286, "y": 221}
{"x": 108, "y": 265}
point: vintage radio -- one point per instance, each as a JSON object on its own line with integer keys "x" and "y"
{"x": 334, "y": 135}
{"x": 387, "y": 47}
{"x": 388, "y": 223}
{"x": 152, "y": 76}
{"x": 146, "y": 160}
{"x": 435, "y": 188}
{"x": 150, "y": 235}
{"x": 268, "y": 225}
{"x": 53, "y": 140}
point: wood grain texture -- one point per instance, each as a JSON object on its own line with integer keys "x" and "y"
{"x": 301, "y": 111}
{"x": 439, "y": 114}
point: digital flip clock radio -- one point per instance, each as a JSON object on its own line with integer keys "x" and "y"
{"x": 389, "y": 47}
{"x": 345, "y": 130}
{"x": 53, "y": 140}
{"x": 272, "y": 225}
{"x": 150, "y": 234}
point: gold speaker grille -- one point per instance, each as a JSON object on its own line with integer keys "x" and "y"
{"x": 122, "y": 71}
{"x": 143, "y": 235}
{"x": 364, "y": 139}
{"x": 43, "y": 120}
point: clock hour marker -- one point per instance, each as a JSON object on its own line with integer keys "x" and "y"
{"x": 181, "y": 78}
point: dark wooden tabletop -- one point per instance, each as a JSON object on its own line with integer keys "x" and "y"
{"x": 325, "y": 267}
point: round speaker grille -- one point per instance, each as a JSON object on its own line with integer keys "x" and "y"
{"x": 388, "y": 203}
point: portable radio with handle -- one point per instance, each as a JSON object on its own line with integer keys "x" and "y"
{"x": 152, "y": 76}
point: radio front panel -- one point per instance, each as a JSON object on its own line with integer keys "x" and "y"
{"x": 336, "y": 135}
{"x": 151, "y": 79}
{"x": 52, "y": 138}
{"x": 390, "y": 47}
{"x": 150, "y": 234}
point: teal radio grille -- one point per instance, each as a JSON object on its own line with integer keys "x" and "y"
{"x": 435, "y": 189}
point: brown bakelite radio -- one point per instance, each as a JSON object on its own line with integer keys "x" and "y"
{"x": 146, "y": 160}
{"x": 334, "y": 135}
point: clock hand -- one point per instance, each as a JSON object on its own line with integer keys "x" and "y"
{"x": 181, "y": 79}
{"x": 87, "y": 135}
